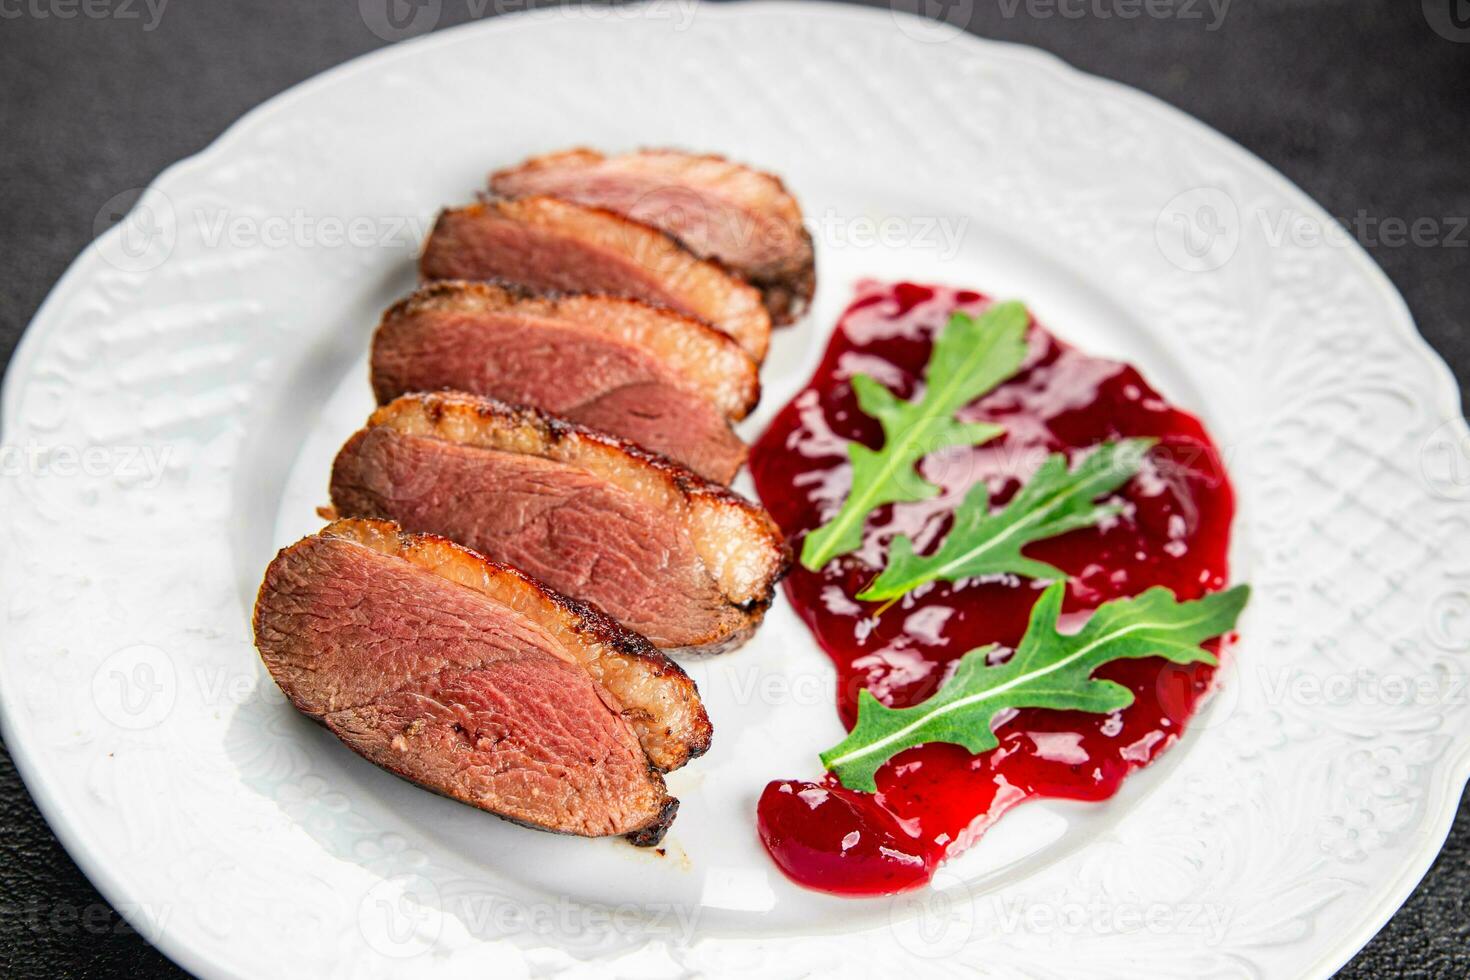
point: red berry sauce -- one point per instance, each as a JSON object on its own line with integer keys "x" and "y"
{"x": 934, "y": 800}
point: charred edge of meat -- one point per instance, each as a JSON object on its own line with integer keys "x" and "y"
{"x": 731, "y": 641}
{"x": 439, "y": 295}
{"x": 653, "y": 834}
{"x": 787, "y": 298}
{"x": 586, "y": 619}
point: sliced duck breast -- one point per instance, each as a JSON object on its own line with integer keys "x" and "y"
{"x": 740, "y": 217}
{"x": 549, "y": 245}
{"x": 469, "y": 678}
{"x": 672, "y": 556}
{"x": 659, "y": 379}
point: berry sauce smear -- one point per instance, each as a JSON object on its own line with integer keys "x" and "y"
{"x": 934, "y": 800}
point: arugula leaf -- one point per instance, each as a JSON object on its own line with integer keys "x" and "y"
{"x": 1048, "y": 670}
{"x": 1052, "y": 502}
{"x": 972, "y": 355}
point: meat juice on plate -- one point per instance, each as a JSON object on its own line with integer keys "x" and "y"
{"x": 935, "y": 799}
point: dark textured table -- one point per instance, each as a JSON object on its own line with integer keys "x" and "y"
{"x": 1363, "y": 103}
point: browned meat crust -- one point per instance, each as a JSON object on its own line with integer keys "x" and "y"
{"x": 738, "y": 544}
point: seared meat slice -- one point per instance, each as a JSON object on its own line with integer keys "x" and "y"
{"x": 681, "y": 560}
{"x": 472, "y": 680}
{"x": 717, "y": 209}
{"x": 553, "y": 246}
{"x": 659, "y": 379}
{"x": 657, "y": 697}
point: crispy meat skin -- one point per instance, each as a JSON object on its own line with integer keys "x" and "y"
{"x": 549, "y": 245}
{"x": 661, "y": 380}
{"x": 685, "y": 561}
{"x": 720, "y": 210}
{"x": 468, "y": 678}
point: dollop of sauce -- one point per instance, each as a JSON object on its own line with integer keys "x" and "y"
{"x": 936, "y": 799}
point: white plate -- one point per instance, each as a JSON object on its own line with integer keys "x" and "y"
{"x": 172, "y": 410}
